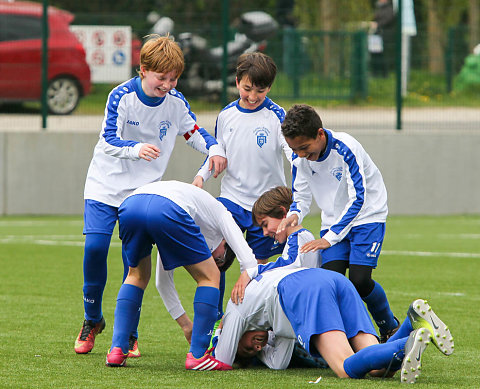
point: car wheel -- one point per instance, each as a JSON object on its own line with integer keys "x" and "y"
{"x": 63, "y": 95}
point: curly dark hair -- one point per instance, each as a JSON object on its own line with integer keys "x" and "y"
{"x": 301, "y": 120}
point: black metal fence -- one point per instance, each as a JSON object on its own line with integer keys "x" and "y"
{"x": 314, "y": 65}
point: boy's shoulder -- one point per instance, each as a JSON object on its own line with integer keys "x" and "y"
{"x": 126, "y": 86}
{"x": 275, "y": 108}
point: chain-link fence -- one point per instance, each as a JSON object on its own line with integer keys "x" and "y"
{"x": 351, "y": 65}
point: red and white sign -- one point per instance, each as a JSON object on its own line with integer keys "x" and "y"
{"x": 108, "y": 50}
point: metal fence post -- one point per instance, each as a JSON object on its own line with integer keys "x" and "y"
{"x": 225, "y": 30}
{"x": 398, "y": 67}
{"x": 44, "y": 63}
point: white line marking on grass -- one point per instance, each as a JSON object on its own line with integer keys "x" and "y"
{"x": 47, "y": 242}
{"x": 430, "y": 254}
{"x": 39, "y": 223}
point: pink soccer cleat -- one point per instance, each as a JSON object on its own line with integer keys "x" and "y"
{"x": 207, "y": 362}
{"x": 116, "y": 358}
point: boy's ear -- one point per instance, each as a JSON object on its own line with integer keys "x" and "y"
{"x": 284, "y": 210}
{"x": 236, "y": 81}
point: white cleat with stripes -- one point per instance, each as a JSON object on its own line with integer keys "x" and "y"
{"x": 205, "y": 363}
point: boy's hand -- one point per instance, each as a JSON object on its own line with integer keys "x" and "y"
{"x": 218, "y": 163}
{"x": 281, "y": 234}
{"x": 149, "y": 152}
{"x": 186, "y": 325}
{"x": 198, "y": 181}
{"x": 314, "y": 245}
{"x": 238, "y": 291}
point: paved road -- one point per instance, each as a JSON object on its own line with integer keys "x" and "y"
{"x": 340, "y": 119}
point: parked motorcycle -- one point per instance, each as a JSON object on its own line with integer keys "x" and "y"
{"x": 203, "y": 64}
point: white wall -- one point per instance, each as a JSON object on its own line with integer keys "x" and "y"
{"x": 425, "y": 172}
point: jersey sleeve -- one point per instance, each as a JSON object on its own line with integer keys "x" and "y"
{"x": 302, "y": 194}
{"x": 168, "y": 292}
{"x": 234, "y": 237}
{"x": 203, "y": 171}
{"x": 200, "y": 140}
{"x": 356, "y": 191}
{"x": 234, "y": 326}
{"x": 289, "y": 260}
{"x": 111, "y": 136}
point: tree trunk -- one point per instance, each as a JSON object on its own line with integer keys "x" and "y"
{"x": 328, "y": 21}
{"x": 435, "y": 39}
{"x": 474, "y": 23}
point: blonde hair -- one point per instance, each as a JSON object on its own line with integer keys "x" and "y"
{"x": 273, "y": 203}
{"x": 161, "y": 54}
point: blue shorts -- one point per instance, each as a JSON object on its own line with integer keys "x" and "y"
{"x": 99, "y": 218}
{"x": 262, "y": 246}
{"x": 317, "y": 301}
{"x": 147, "y": 219}
{"x": 361, "y": 246}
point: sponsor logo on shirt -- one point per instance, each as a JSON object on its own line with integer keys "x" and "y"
{"x": 163, "y": 127}
{"x": 133, "y": 122}
{"x": 262, "y": 135}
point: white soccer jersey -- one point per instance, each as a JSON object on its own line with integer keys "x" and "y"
{"x": 345, "y": 183}
{"x": 253, "y": 143}
{"x": 132, "y": 119}
{"x": 259, "y": 311}
{"x": 213, "y": 219}
{"x": 291, "y": 257}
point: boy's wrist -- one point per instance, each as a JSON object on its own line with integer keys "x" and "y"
{"x": 215, "y": 150}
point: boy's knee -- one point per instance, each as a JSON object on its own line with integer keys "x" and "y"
{"x": 363, "y": 284}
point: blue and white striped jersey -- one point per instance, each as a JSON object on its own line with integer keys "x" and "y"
{"x": 345, "y": 183}
{"x": 132, "y": 119}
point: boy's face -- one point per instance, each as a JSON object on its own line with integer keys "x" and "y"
{"x": 309, "y": 148}
{"x": 251, "y": 96}
{"x": 158, "y": 84}
{"x": 251, "y": 343}
{"x": 269, "y": 225}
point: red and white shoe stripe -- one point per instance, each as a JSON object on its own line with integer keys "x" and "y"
{"x": 208, "y": 364}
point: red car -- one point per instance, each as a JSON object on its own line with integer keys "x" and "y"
{"x": 21, "y": 57}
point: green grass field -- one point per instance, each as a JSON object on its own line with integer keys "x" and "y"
{"x": 437, "y": 258}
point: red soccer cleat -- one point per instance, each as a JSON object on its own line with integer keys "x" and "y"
{"x": 86, "y": 338}
{"x": 207, "y": 362}
{"x": 116, "y": 358}
{"x": 133, "y": 351}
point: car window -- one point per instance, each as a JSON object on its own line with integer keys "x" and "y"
{"x": 19, "y": 27}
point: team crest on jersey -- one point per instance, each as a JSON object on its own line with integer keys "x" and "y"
{"x": 164, "y": 126}
{"x": 337, "y": 173}
{"x": 262, "y": 135}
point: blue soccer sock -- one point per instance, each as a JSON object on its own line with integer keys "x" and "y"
{"x": 205, "y": 306}
{"x": 375, "y": 357}
{"x": 94, "y": 274}
{"x": 126, "y": 269}
{"x": 403, "y": 331}
{"x": 129, "y": 301}
{"x": 222, "y": 293}
{"x": 379, "y": 308}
